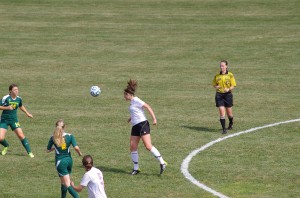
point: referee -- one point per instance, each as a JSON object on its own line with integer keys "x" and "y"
{"x": 224, "y": 83}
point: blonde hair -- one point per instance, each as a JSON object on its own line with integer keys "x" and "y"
{"x": 58, "y": 133}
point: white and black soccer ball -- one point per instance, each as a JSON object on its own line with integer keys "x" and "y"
{"x": 95, "y": 91}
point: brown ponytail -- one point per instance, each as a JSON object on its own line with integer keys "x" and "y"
{"x": 87, "y": 162}
{"x": 131, "y": 87}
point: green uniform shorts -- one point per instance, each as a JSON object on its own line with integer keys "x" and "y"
{"x": 13, "y": 124}
{"x": 64, "y": 166}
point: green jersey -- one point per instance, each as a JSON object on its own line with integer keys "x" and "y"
{"x": 64, "y": 150}
{"x": 10, "y": 115}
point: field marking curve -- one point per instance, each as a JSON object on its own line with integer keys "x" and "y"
{"x": 187, "y": 160}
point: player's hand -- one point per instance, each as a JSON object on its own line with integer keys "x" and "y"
{"x": 129, "y": 119}
{"x": 154, "y": 122}
{"x": 10, "y": 107}
{"x": 30, "y": 115}
{"x": 226, "y": 90}
{"x": 217, "y": 87}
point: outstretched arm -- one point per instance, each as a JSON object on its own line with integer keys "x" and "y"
{"x": 77, "y": 188}
{"x": 25, "y": 111}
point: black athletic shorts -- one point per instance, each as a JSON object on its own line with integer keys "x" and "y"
{"x": 224, "y": 99}
{"x": 141, "y": 129}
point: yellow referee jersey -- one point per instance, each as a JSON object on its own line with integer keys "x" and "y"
{"x": 224, "y": 81}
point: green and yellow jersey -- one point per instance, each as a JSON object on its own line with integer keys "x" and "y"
{"x": 11, "y": 115}
{"x": 64, "y": 150}
{"x": 224, "y": 81}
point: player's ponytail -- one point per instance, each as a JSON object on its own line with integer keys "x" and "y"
{"x": 58, "y": 133}
{"x": 131, "y": 86}
{"x": 87, "y": 162}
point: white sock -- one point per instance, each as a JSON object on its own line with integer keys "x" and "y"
{"x": 157, "y": 155}
{"x": 135, "y": 160}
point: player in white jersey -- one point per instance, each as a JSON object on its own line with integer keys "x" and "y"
{"x": 92, "y": 179}
{"x": 140, "y": 127}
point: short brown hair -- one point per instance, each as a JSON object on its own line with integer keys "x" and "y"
{"x": 12, "y": 86}
{"x": 224, "y": 61}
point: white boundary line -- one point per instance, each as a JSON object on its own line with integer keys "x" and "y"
{"x": 187, "y": 160}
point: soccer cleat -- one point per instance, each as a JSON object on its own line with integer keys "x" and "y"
{"x": 230, "y": 126}
{"x": 31, "y": 155}
{"x": 135, "y": 172}
{"x": 4, "y": 151}
{"x": 224, "y": 131}
{"x": 163, "y": 167}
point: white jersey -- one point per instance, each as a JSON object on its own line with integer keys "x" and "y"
{"x": 136, "y": 110}
{"x": 93, "y": 179}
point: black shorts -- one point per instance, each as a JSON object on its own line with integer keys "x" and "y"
{"x": 224, "y": 99}
{"x": 141, "y": 129}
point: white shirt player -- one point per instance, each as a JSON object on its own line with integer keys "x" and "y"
{"x": 136, "y": 110}
{"x": 93, "y": 179}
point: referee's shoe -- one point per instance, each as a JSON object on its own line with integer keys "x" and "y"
{"x": 224, "y": 131}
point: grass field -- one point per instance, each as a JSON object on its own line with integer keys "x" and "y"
{"x": 56, "y": 49}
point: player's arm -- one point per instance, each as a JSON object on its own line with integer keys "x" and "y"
{"x": 50, "y": 150}
{"x": 149, "y": 109}
{"x": 77, "y": 188}
{"x": 232, "y": 82}
{"x": 217, "y": 87}
{"x": 49, "y": 146}
{"x": 77, "y": 149}
{"x": 215, "y": 84}
{"x": 25, "y": 111}
{"x": 232, "y": 85}
{"x": 231, "y": 88}
{"x": 6, "y": 108}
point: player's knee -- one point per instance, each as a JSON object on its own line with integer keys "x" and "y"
{"x": 133, "y": 148}
{"x": 148, "y": 147}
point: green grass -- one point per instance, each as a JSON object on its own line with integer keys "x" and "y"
{"x": 55, "y": 50}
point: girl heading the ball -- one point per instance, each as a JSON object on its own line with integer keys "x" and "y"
{"x": 140, "y": 127}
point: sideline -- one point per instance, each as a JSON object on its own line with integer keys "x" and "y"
{"x": 187, "y": 160}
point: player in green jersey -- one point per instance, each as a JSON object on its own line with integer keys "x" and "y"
{"x": 10, "y": 104}
{"x": 224, "y": 83}
{"x": 62, "y": 142}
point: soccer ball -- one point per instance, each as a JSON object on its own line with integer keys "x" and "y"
{"x": 95, "y": 91}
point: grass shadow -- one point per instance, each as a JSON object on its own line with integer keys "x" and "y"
{"x": 112, "y": 169}
{"x": 199, "y": 128}
{"x": 126, "y": 172}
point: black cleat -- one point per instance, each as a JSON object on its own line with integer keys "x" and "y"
{"x": 230, "y": 126}
{"x": 135, "y": 172}
{"x": 224, "y": 131}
